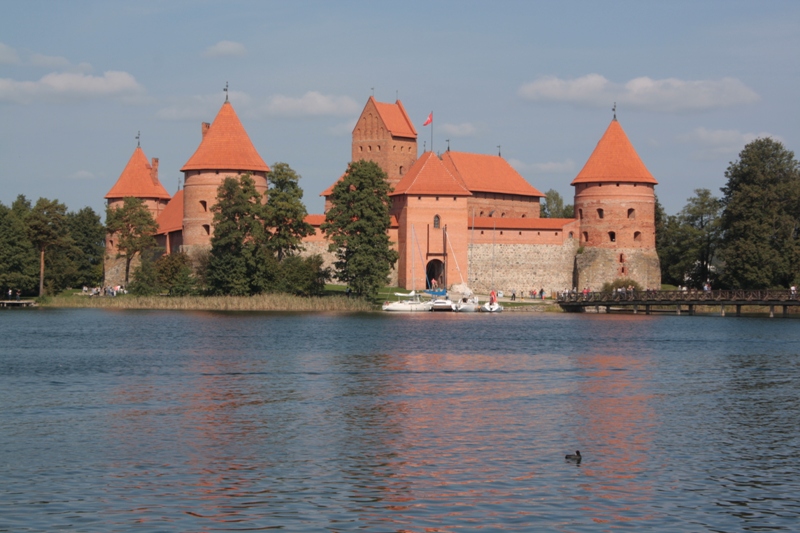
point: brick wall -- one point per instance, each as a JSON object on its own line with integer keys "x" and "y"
{"x": 596, "y": 266}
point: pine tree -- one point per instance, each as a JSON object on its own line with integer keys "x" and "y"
{"x": 18, "y": 264}
{"x": 285, "y": 212}
{"x": 47, "y": 227}
{"x": 357, "y": 225}
{"x": 761, "y": 218}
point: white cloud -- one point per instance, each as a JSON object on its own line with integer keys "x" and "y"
{"x": 552, "y": 167}
{"x": 312, "y": 103}
{"x": 81, "y": 175}
{"x": 202, "y": 107}
{"x": 8, "y": 56}
{"x": 715, "y": 144}
{"x": 225, "y": 49}
{"x": 343, "y": 128}
{"x": 670, "y": 95}
{"x": 71, "y": 86}
{"x": 465, "y": 129}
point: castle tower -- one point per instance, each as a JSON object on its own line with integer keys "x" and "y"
{"x": 615, "y": 207}
{"x": 430, "y": 204}
{"x": 225, "y": 150}
{"x": 384, "y": 134}
{"x": 139, "y": 179}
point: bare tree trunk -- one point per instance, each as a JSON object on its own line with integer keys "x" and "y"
{"x": 41, "y": 273}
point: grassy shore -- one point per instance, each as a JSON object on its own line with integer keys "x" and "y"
{"x": 262, "y": 302}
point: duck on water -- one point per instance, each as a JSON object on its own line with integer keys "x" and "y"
{"x": 575, "y": 457}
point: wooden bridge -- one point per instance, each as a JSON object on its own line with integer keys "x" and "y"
{"x": 17, "y": 303}
{"x": 680, "y": 301}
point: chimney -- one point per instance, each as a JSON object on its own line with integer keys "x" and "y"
{"x": 154, "y": 171}
{"x": 204, "y": 128}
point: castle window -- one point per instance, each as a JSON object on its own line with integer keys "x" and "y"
{"x": 622, "y": 270}
{"x": 501, "y": 232}
{"x": 502, "y": 215}
{"x": 520, "y": 233}
{"x": 402, "y": 170}
{"x": 437, "y": 198}
{"x": 360, "y": 148}
{"x": 394, "y": 148}
{"x": 523, "y": 215}
{"x": 207, "y": 229}
{"x": 436, "y": 222}
{"x": 617, "y": 184}
{"x": 637, "y": 236}
{"x": 570, "y": 235}
{"x": 455, "y": 198}
{"x": 379, "y": 149}
{"x": 585, "y": 237}
{"x": 580, "y": 214}
{"x": 556, "y": 234}
{"x": 481, "y": 232}
{"x": 612, "y": 236}
{"x": 481, "y": 214}
{"x": 600, "y": 213}
{"x": 631, "y": 213}
{"x": 621, "y": 258}
{"x": 204, "y": 205}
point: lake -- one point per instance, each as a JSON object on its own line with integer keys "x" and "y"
{"x": 198, "y": 421}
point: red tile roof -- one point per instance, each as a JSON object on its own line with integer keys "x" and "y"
{"x": 520, "y": 223}
{"x": 488, "y": 173}
{"x": 395, "y": 118}
{"x": 315, "y": 220}
{"x": 614, "y": 159}
{"x": 429, "y": 176}
{"x": 226, "y": 146}
{"x": 138, "y": 180}
{"x": 171, "y": 218}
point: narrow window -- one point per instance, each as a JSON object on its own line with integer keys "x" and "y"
{"x": 436, "y": 221}
{"x": 585, "y": 237}
{"x": 621, "y": 258}
{"x": 207, "y": 229}
{"x": 580, "y": 214}
{"x": 612, "y": 236}
{"x": 204, "y": 205}
{"x": 600, "y": 213}
{"x": 402, "y": 170}
{"x": 631, "y": 213}
{"x": 523, "y": 215}
{"x": 570, "y": 235}
{"x": 637, "y": 236}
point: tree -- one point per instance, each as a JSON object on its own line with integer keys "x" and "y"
{"x": 18, "y": 263}
{"x": 761, "y": 218}
{"x": 285, "y": 212}
{"x": 47, "y": 226}
{"x": 175, "y": 274}
{"x": 88, "y": 236}
{"x": 553, "y": 206}
{"x": 357, "y": 225}
{"x": 239, "y": 264}
{"x": 134, "y": 228}
{"x": 303, "y": 276}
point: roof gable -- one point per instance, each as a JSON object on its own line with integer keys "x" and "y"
{"x": 171, "y": 218}
{"x": 488, "y": 173}
{"x": 226, "y": 146}
{"x": 614, "y": 159}
{"x": 393, "y": 116}
{"x": 139, "y": 179}
{"x": 429, "y": 176}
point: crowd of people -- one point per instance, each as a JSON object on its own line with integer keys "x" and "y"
{"x": 104, "y": 291}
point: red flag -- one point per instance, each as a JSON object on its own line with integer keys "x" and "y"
{"x": 429, "y": 119}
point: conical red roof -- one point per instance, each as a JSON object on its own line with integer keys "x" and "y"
{"x": 429, "y": 176}
{"x": 226, "y": 146}
{"x": 138, "y": 180}
{"x": 171, "y": 218}
{"x": 614, "y": 159}
{"x": 488, "y": 173}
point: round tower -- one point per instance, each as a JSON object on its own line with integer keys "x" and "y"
{"x": 226, "y": 150}
{"x": 615, "y": 206}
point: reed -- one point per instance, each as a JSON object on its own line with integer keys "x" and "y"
{"x": 262, "y": 302}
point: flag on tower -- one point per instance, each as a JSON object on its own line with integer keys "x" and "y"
{"x": 429, "y": 119}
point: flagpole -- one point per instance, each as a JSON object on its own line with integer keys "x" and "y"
{"x": 431, "y": 132}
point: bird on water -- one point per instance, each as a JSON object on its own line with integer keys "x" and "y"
{"x": 574, "y": 456}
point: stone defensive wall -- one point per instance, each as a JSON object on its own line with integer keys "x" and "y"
{"x": 595, "y": 266}
{"x": 522, "y": 267}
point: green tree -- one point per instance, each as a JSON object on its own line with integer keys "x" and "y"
{"x": 553, "y": 206}
{"x": 18, "y": 264}
{"x": 285, "y": 212}
{"x": 133, "y": 227}
{"x": 88, "y": 236}
{"x": 145, "y": 279}
{"x": 239, "y": 264}
{"x": 357, "y": 225}
{"x": 760, "y": 245}
{"x": 175, "y": 274}
{"x": 303, "y": 276}
{"x": 47, "y": 227}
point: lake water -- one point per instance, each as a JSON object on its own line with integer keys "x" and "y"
{"x": 167, "y": 421}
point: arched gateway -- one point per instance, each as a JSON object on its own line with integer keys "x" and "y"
{"x": 435, "y": 271}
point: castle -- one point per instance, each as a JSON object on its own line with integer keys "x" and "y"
{"x": 455, "y": 218}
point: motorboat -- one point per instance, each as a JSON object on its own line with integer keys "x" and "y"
{"x": 491, "y": 308}
{"x": 468, "y": 305}
{"x": 443, "y": 303}
{"x": 411, "y": 303}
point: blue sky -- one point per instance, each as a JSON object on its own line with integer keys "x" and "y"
{"x": 693, "y": 82}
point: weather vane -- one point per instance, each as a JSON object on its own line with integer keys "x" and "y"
{"x": 226, "y": 91}
{"x": 498, "y": 151}
{"x": 448, "y": 144}
{"x": 614, "y": 109}
{"x": 138, "y": 143}
{"x": 373, "y": 90}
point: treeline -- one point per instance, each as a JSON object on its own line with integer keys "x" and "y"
{"x": 749, "y": 237}
{"x": 44, "y": 248}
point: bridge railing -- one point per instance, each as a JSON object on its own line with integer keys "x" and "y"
{"x": 688, "y": 296}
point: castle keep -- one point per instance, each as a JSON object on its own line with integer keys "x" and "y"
{"x": 456, "y": 217}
